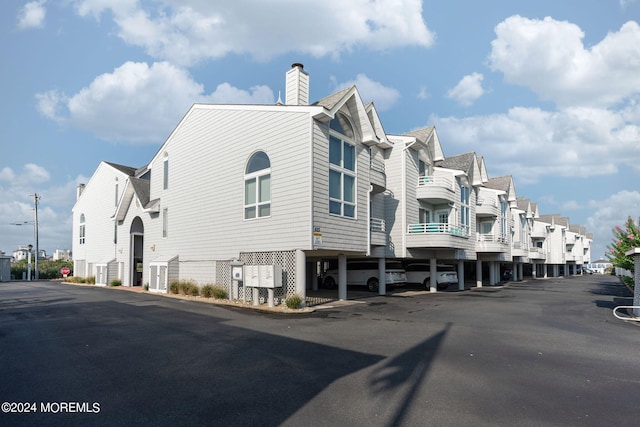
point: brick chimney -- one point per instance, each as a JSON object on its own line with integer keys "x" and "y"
{"x": 297, "y": 86}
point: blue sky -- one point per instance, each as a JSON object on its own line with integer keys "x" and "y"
{"x": 546, "y": 91}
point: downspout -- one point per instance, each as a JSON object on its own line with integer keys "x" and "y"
{"x": 369, "y": 214}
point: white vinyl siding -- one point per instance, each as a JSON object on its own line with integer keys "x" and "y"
{"x": 207, "y": 214}
{"x": 338, "y": 233}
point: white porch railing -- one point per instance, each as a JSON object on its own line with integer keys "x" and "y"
{"x": 377, "y": 224}
{"x": 436, "y": 181}
{"x": 491, "y": 238}
{"x": 436, "y": 227}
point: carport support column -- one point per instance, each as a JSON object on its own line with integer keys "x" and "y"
{"x": 460, "y": 275}
{"x": 534, "y": 266}
{"x": 342, "y": 277}
{"x": 382, "y": 277}
{"x": 520, "y": 272}
{"x": 636, "y": 290}
{"x": 478, "y": 273}
{"x": 433, "y": 274}
{"x": 492, "y": 273}
{"x": 301, "y": 276}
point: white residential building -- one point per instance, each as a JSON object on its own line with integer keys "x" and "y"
{"x": 297, "y": 185}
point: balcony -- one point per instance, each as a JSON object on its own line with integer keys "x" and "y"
{"x": 437, "y": 235}
{"x": 378, "y": 230}
{"x": 436, "y": 189}
{"x": 486, "y": 207}
{"x": 377, "y": 175}
{"x": 519, "y": 249}
{"x": 537, "y": 254}
{"x": 491, "y": 243}
{"x": 539, "y": 234}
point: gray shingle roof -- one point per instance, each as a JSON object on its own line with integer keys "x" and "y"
{"x": 124, "y": 169}
{"x": 499, "y": 183}
{"x": 330, "y": 101}
{"x": 461, "y": 162}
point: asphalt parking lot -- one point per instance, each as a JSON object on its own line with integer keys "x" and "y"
{"x": 537, "y": 353}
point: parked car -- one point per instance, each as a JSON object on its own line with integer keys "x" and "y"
{"x": 506, "y": 275}
{"x": 586, "y": 270}
{"x": 420, "y": 273}
{"x": 365, "y": 273}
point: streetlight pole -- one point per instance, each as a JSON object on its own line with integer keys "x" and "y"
{"x": 36, "y": 198}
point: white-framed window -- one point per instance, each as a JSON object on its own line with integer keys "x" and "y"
{"x": 465, "y": 219}
{"x": 165, "y": 172}
{"x": 443, "y": 217}
{"x": 257, "y": 187}
{"x": 503, "y": 218}
{"x": 82, "y": 229}
{"x": 165, "y": 222}
{"x": 342, "y": 170}
{"x": 116, "y": 193}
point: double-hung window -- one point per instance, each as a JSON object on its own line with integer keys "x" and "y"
{"x": 257, "y": 187}
{"x": 82, "y": 229}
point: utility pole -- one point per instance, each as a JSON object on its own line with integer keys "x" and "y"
{"x": 36, "y": 198}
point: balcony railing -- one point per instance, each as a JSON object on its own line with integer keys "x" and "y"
{"x": 491, "y": 238}
{"x": 377, "y": 224}
{"x": 436, "y": 181}
{"x": 442, "y": 228}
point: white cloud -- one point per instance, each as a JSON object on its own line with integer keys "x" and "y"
{"x": 139, "y": 103}
{"x": 16, "y": 207}
{"x": 383, "y": 96}
{"x": 574, "y": 142}
{"x": 32, "y": 15}
{"x": 423, "y": 93}
{"x": 625, "y": 3}
{"x": 607, "y": 214}
{"x": 549, "y": 57}
{"x": 189, "y": 31}
{"x": 468, "y": 89}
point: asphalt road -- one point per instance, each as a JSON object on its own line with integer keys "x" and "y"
{"x": 537, "y": 353}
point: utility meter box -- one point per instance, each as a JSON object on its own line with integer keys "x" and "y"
{"x": 263, "y": 276}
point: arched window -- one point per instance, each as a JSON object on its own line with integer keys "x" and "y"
{"x": 342, "y": 168}
{"x": 82, "y": 229}
{"x": 257, "y": 186}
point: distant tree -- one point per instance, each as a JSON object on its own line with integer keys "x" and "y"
{"x": 624, "y": 239}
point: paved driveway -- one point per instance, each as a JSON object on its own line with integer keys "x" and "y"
{"x": 537, "y": 353}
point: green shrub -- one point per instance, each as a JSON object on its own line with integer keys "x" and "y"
{"x": 628, "y": 281}
{"x": 174, "y": 287}
{"x": 184, "y": 286}
{"x": 76, "y": 279}
{"x": 207, "y": 291}
{"x": 146, "y": 286}
{"x": 220, "y": 293}
{"x": 194, "y": 290}
{"x": 116, "y": 282}
{"x": 91, "y": 280}
{"x": 293, "y": 302}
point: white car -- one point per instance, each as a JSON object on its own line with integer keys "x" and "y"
{"x": 365, "y": 273}
{"x": 420, "y": 273}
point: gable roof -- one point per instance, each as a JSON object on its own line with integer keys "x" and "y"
{"x": 374, "y": 118}
{"x": 429, "y": 137}
{"x": 468, "y": 163}
{"x": 124, "y": 169}
{"x": 140, "y": 188}
{"x": 504, "y": 183}
{"x": 351, "y": 100}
